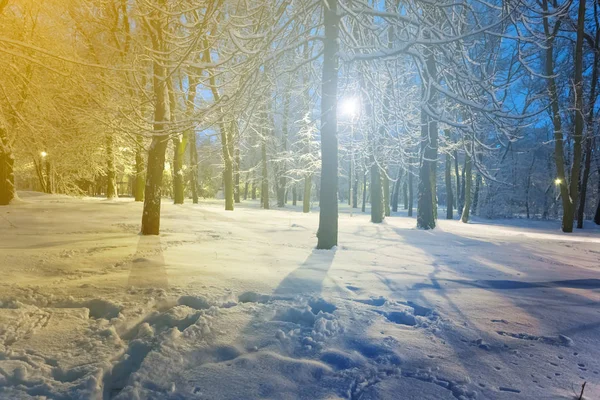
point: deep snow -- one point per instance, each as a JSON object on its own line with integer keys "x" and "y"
{"x": 239, "y": 305}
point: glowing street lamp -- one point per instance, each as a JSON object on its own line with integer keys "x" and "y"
{"x": 350, "y": 107}
{"x": 43, "y": 154}
{"x": 557, "y": 181}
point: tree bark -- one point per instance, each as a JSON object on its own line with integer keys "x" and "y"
{"x": 410, "y": 193}
{"x": 226, "y": 137}
{"x": 566, "y": 190}
{"x": 7, "y": 174}
{"x": 306, "y": 195}
{"x": 364, "y": 193}
{"x": 468, "y": 180}
{"x": 193, "y": 148}
{"x": 589, "y": 142}
{"x": 449, "y": 194}
{"x": 459, "y": 196}
{"x": 377, "y": 209}
{"x": 328, "y": 215}
{"x": 111, "y": 184}
{"x": 396, "y": 191}
{"x": 427, "y": 198}
{"x": 264, "y": 188}
{"x": 294, "y": 195}
{"x": 139, "y": 170}
{"x": 386, "y": 194}
{"x": 158, "y": 146}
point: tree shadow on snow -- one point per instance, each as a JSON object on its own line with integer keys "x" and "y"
{"x": 309, "y": 276}
{"x": 148, "y": 264}
{"x": 557, "y": 308}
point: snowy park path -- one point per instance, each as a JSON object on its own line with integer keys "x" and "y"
{"x": 227, "y": 305}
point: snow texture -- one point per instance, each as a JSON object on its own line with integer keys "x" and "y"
{"x": 240, "y": 305}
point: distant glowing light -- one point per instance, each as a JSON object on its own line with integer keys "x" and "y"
{"x": 43, "y": 154}
{"x": 350, "y": 107}
{"x": 557, "y": 181}
{"x": 167, "y": 166}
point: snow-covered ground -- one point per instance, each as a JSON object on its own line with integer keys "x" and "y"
{"x": 239, "y": 305}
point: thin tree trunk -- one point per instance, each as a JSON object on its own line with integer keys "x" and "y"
{"x": 7, "y": 174}
{"x": 226, "y": 137}
{"x": 396, "y": 191}
{"x": 328, "y": 215}
{"x": 405, "y": 192}
{"x": 459, "y": 196}
{"x": 364, "y": 193}
{"x": 468, "y": 180}
{"x": 579, "y": 121}
{"x": 589, "y": 142}
{"x": 139, "y": 170}
{"x": 377, "y": 209}
{"x": 193, "y": 147}
{"x": 264, "y": 188}
{"x": 449, "y": 194}
{"x": 478, "y": 183}
{"x": 410, "y": 194}
{"x": 597, "y": 214}
{"x": 111, "y": 184}
{"x": 386, "y": 194}
{"x": 306, "y": 195}
{"x": 294, "y": 195}
{"x": 236, "y": 174}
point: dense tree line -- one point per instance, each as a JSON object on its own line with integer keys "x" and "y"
{"x": 485, "y": 108}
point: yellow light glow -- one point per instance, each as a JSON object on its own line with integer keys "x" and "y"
{"x": 43, "y": 154}
{"x": 558, "y": 181}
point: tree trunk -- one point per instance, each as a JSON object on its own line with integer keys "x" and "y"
{"x": 449, "y": 194}
{"x": 178, "y": 187}
{"x": 589, "y": 142}
{"x": 427, "y": 198}
{"x": 226, "y": 137}
{"x": 405, "y": 192}
{"x": 579, "y": 121}
{"x": 364, "y": 193}
{"x": 111, "y": 183}
{"x": 377, "y": 208}
{"x": 281, "y": 193}
{"x": 139, "y": 170}
{"x": 158, "y": 146}
{"x": 459, "y": 196}
{"x": 193, "y": 147}
{"x": 386, "y": 194}
{"x": 396, "y": 191}
{"x": 478, "y": 183}
{"x": 236, "y": 174}
{"x": 410, "y": 194}
{"x": 7, "y": 175}
{"x": 294, "y": 195}
{"x": 568, "y": 199}
{"x": 306, "y": 195}
{"x": 253, "y": 190}
{"x": 246, "y": 186}
{"x": 468, "y": 180}
{"x": 264, "y": 188}
{"x": 328, "y": 214}
{"x": 597, "y": 214}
